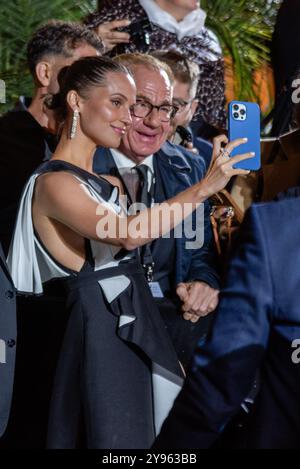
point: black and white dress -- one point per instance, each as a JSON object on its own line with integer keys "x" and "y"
{"x": 118, "y": 374}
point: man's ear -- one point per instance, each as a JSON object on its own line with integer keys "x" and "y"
{"x": 43, "y": 73}
{"x": 194, "y": 107}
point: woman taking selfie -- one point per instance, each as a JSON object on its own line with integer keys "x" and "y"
{"x": 118, "y": 374}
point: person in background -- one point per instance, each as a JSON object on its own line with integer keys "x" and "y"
{"x": 26, "y": 133}
{"x": 186, "y": 74}
{"x": 165, "y": 25}
{"x": 256, "y": 329}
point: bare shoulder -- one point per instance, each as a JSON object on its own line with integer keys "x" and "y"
{"x": 56, "y": 188}
{"x": 56, "y": 180}
{"x": 114, "y": 181}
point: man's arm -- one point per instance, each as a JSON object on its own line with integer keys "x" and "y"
{"x": 223, "y": 370}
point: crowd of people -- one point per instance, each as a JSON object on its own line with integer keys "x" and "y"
{"x": 119, "y": 333}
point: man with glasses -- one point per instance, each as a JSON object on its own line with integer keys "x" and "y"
{"x": 183, "y": 281}
{"x": 186, "y": 74}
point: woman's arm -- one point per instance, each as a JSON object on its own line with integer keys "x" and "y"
{"x": 61, "y": 197}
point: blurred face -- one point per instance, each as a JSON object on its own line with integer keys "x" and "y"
{"x": 148, "y": 134}
{"x": 186, "y": 105}
{"x": 58, "y": 62}
{"x": 105, "y": 114}
{"x": 178, "y": 8}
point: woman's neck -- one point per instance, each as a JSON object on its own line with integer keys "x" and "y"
{"x": 177, "y": 12}
{"x": 78, "y": 151}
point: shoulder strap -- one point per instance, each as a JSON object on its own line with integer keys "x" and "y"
{"x": 99, "y": 184}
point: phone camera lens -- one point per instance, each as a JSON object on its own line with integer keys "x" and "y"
{"x": 236, "y": 115}
{"x": 243, "y": 112}
{"x": 236, "y": 107}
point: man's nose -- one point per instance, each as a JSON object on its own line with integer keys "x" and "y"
{"x": 153, "y": 119}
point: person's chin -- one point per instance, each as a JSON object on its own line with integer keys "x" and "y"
{"x": 110, "y": 142}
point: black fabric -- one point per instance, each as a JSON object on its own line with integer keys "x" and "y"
{"x": 285, "y": 43}
{"x": 185, "y": 335}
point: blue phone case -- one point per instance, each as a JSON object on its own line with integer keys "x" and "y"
{"x": 247, "y": 125}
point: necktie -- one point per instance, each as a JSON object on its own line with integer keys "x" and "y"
{"x": 145, "y": 198}
{"x": 136, "y": 182}
{"x": 143, "y": 195}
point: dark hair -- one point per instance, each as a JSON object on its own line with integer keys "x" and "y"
{"x": 183, "y": 69}
{"x": 82, "y": 75}
{"x": 59, "y": 38}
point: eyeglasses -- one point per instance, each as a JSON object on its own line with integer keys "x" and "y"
{"x": 181, "y": 105}
{"x": 144, "y": 108}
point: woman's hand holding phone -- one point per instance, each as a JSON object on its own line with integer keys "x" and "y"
{"x": 221, "y": 169}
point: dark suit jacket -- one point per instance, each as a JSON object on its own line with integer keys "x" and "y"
{"x": 23, "y": 146}
{"x": 179, "y": 170}
{"x": 255, "y": 327}
{"x": 8, "y": 337}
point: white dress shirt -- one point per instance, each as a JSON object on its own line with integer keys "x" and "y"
{"x": 123, "y": 162}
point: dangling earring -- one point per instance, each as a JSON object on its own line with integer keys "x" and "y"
{"x": 74, "y": 124}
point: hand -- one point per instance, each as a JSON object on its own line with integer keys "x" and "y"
{"x": 221, "y": 168}
{"x": 199, "y": 299}
{"x": 111, "y": 38}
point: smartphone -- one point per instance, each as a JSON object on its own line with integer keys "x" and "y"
{"x": 244, "y": 122}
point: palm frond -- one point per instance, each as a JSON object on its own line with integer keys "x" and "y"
{"x": 244, "y": 29}
{"x": 18, "y": 20}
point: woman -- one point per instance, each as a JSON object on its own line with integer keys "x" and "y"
{"x": 169, "y": 24}
{"x": 118, "y": 372}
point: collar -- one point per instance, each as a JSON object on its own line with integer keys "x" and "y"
{"x": 122, "y": 161}
{"x": 23, "y": 103}
{"x": 191, "y": 25}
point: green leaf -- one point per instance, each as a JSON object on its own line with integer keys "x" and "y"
{"x": 18, "y": 20}
{"x": 244, "y": 29}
